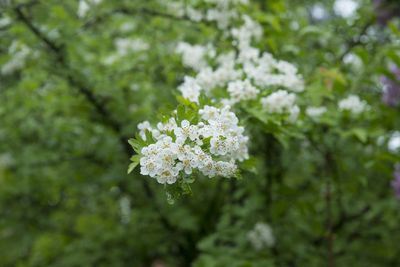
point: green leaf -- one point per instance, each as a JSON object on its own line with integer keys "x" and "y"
{"x": 249, "y": 165}
{"x": 132, "y": 166}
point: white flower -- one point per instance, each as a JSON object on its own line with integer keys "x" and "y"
{"x": 246, "y": 32}
{"x": 318, "y": 12}
{"x": 143, "y": 126}
{"x": 148, "y": 166}
{"x": 394, "y": 142}
{"x": 19, "y": 54}
{"x": 261, "y": 236}
{"x": 5, "y": 21}
{"x": 209, "y": 113}
{"x": 279, "y": 102}
{"x": 353, "y": 104}
{"x": 219, "y": 145}
{"x": 186, "y": 131}
{"x": 83, "y": 8}
{"x": 315, "y": 112}
{"x": 190, "y": 89}
{"x": 345, "y": 8}
{"x": 193, "y": 56}
{"x": 242, "y": 90}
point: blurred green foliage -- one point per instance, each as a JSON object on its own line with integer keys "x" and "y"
{"x": 66, "y": 116}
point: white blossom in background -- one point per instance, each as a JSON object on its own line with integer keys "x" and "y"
{"x": 194, "y": 56}
{"x": 194, "y": 14}
{"x": 353, "y": 104}
{"x": 83, "y": 8}
{"x": 190, "y": 89}
{"x": 345, "y": 8}
{"x": 243, "y": 73}
{"x": 353, "y": 60}
{"x": 170, "y": 157}
{"x": 280, "y": 102}
{"x": 127, "y": 45}
{"x": 222, "y": 17}
{"x": 246, "y": 32}
{"x": 242, "y": 90}
{"x": 6, "y": 160}
{"x": 125, "y": 209}
{"x": 315, "y": 112}
{"x": 4, "y": 21}
{"x": 394, "y": 142}
{"x": 261, "y": 236}
{"x": 318, "y": 12}
{"x": 267, "y": 71}
{"x": 124, "y": 46}
{"x": 85, "y": 5}
{"x": 19, "y": 54}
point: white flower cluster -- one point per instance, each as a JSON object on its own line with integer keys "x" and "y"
{"x": 267, "y": 71}
{"x": 212, "y": 146}
{"x": 353, "y": 104}
{"x": 19, "y": 54}
{"x": 242, "y": 90}
{"x": 195, "y": 56}
{"x": 281, "y": 102}
{"x": 245, "y": 33}
{"x": 261, "y": 236}
{"x": 315, "y": 112}
{"x": 244, "y": 74}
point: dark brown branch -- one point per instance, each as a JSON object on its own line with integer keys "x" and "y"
{"x": 22, "y": 17}
{"x": 58, "y": 51}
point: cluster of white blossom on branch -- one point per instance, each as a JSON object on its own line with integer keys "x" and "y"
{"x": 210, "y": 144}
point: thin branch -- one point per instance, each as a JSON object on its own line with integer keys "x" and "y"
{"x": 22, "y": 17}
{"x": 136, "y": 11}
{"x": 355, "y": 41}
{"x": 58, "y": 51}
